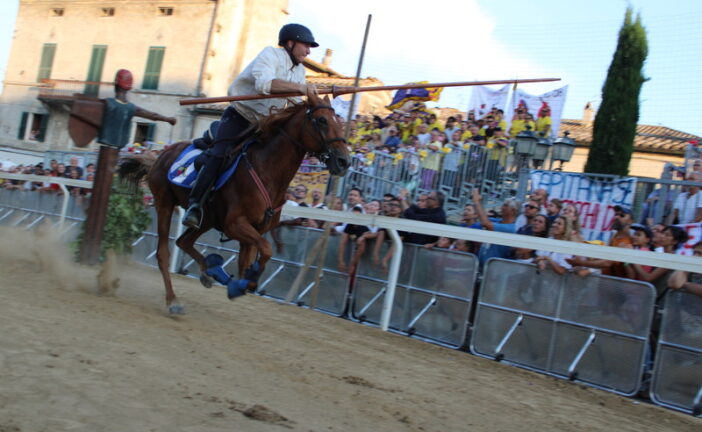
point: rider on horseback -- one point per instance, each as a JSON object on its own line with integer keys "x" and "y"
{"x": 274, "y": 70}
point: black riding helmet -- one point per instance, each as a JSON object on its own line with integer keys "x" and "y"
{"x": 297, "y": 33}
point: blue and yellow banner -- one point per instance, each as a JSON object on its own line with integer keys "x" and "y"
{"x": 418, "y": 94}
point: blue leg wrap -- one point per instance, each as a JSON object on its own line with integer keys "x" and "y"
{"x": 213, "y": 260}
{"x": 214, "y": 268}
{"x": 219, "y": 274}
{"x": 236, "y": 288}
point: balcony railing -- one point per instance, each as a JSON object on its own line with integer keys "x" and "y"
{"x": 65, "y": 89}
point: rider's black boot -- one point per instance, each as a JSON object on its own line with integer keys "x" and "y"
{"x": 198, "y": 195}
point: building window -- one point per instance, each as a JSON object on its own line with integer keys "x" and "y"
{"x": 153, "y": 68}
{"x": 165, "y": 11}
{"x": 107, "y": 12}
{"x": 144, "y": 133}
{"x": 56, "y": 12}
{"x": 33, "y": 126}
{"x": 46, "y": 62}
{"x": 97, "y": 61}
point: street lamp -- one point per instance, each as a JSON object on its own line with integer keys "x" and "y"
{"x": 525, "y": 143}
{"x": 562, "y": 150}
{"x": 541, "y": 151}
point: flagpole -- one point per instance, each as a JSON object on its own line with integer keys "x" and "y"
{"x": 338, "y": 91}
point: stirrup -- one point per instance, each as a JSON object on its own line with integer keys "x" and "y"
{"x": 193, "y": 217}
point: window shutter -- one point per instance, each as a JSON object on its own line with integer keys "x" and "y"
{"x": 153, "y": 68}
{"x": 42, "y": 127}
{"x": 47, "y": 61}
{"x": 23, "y": 125}
{"x": 97, "y": 61}
{"x": 150, "y": 132}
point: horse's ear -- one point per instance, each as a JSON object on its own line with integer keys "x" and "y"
{"x": 312, "y": 97}
{"x": 326, "y": 99}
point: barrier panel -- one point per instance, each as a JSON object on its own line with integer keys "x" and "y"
{"x": 283, "y": 268}
{"x": 677, "y": 371}
{"x": 591, "y": 329}
{"x": 433, "y": 297}
{"x": 31, "y": 209}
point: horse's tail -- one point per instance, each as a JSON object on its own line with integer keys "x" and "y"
{"x": 131, "y": 169}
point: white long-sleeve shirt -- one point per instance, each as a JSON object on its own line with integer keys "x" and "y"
{"x": 271, "y": 63}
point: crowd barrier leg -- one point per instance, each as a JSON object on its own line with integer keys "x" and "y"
{"x": 269, "y": 279}
{"x": 36, "y": 221}
{"x": 572, "y": 373}
{"x": 498, "y": 350}
{"x": 371, "y": 302}
{"x": 697, "y": 403}
{"x": 303, "y": 292}
{"x": 20, "y": 220}
{"x": 7, "y": 213}
{"x": 410, "y": 327}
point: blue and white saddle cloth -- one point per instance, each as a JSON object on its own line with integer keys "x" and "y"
{"x": 183, "y": 173}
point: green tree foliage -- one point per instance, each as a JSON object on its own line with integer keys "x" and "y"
{"x": 126, "y": 220}
{"x": 618, "y": 115}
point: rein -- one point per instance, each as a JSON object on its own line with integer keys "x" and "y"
{"x": 323, "y": 155}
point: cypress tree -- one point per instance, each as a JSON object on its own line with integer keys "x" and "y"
{"x": 615, "y": 122}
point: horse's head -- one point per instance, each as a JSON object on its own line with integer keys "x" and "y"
{"x": 323, "y": 135}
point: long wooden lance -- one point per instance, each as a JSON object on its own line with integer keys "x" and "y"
{"x": 341, "y": 90}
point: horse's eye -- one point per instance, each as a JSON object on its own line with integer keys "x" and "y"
{"x": 322, "y": 124}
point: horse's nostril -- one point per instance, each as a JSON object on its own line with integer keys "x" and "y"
{"x": 343, "y": 163}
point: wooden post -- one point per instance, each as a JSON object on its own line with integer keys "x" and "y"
{"x": 97, "y": 212}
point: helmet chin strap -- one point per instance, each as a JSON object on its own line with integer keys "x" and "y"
{"x": 290, "y": 53}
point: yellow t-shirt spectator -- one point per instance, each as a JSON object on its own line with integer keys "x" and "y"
{"x": 517, "y": 126}
{"x": 436, "y": 125}
{"x": 543, "y": 124}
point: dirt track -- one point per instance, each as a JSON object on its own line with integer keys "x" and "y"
{"x": 74, "y": 360}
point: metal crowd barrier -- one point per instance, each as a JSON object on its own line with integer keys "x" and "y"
{"x": 593, "y": 330}
{"x": 458, "y": 173}
{"x": 283, "y": 268}
{"x": 677, "y": 371}
{"x": 590, "y": 329}
{"x": 30, "y": 209}
{"x": 433, "y": 298}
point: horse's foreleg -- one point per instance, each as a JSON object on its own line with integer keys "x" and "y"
{"x": 252, "y": 241}
{"x": 246, "y": 257}
{"x": 187, "y": 243}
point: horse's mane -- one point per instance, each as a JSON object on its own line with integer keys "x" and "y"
{"x": 270, "y": 126}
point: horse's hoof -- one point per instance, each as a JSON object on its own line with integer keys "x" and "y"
{"x": 176, "y": 309}
{"x": 236, "y": 288}
{"x": 252, "y": 273}
{"x": 206, "y": 281}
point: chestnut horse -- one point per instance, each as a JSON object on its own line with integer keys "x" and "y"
{"x": 248, "y": 204}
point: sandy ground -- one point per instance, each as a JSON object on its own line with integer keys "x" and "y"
{"x": 75, "y": 358}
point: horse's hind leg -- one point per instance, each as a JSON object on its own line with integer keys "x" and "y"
{"x": 187, "y": 243}
{"x": 163, "y": 255}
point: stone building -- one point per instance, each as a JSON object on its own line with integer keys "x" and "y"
{"x": 654, "y": 146}
{"x": 175, "y": 49}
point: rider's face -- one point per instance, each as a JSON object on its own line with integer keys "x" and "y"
{"x": 300, "y": 50}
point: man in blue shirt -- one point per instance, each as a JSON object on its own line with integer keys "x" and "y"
{"x": 506, "y": 224}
